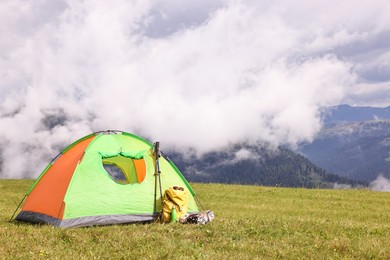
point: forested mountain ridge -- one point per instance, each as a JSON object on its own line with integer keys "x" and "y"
{"x": 259, "y": 166}
{"x": 354, "y": 143}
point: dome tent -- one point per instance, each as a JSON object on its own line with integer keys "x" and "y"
{"x": 76, "y": 188}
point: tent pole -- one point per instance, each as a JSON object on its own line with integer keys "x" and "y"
{"x": 18, "y": 207}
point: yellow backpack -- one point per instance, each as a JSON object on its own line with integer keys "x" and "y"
{"x": 175, "y": 197}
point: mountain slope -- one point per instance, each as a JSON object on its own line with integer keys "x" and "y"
{"x": 256, "y": 165}
{"x": 352, "y": 146}
{"x": 347, "y": 113}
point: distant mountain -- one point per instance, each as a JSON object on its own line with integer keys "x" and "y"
{"x": 347, "y": 113}
{"x": 260, "y": 166}
{"x": 354, "y": 143}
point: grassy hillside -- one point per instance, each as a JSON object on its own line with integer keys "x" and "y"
{"x": 251, "y": 222}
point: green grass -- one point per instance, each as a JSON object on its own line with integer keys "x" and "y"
{"x": 251, "y": 222}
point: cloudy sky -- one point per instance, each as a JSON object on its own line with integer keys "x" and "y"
{"x": 191, "y": 74}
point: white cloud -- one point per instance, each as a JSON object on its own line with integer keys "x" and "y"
{"x": 340, "y": 186}
{"x": 369, "y": 94}
{"x": 234, "y": 71}
{"x": 380, "y": 184}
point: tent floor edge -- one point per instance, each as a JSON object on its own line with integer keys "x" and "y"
{"x": 37, "y": 218}
{"x": 101, "y": 220}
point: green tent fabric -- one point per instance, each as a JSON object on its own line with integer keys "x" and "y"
{"x": 76, "y": 190}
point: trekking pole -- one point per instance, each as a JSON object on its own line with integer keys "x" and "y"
{"x": 155, "y": 186}
{"x": 157, "y": 173}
